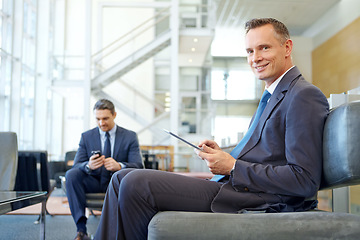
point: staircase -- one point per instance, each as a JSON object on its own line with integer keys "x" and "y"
{"x": 105, "y": 76}
{"x": 130, "y": 62}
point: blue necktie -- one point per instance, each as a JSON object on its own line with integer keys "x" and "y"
{"x": 105, "y": 174}
{"x": 107, "y": 146}
{"x": 236, "y": 151}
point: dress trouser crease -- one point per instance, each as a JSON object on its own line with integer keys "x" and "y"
{"x": 136, "y": 195}
{"x": 78, "y": 183}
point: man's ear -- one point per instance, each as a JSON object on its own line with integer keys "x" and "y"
{"x": 114, "y": 115}
{"x": 288, "y": 47}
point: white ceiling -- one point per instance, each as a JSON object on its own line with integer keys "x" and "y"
{"x": 298, "y": 15}
{"x": 231, "y": 15}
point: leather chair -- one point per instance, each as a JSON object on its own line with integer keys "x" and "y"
{"x": 8, "y": 160}
{"x": 341, "y": 167}
{"x": 66, "y": 165}
{"x": 94, "y": 201}
{"x": 33, "y": 173}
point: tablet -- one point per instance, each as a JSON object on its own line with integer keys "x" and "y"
{"x": 181, "y": 139}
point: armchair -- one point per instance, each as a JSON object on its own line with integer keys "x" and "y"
{"x": 8, "y": 160}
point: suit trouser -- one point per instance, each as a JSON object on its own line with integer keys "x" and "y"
{"x": 134, "y": 196}
{"x": 78, "y": 183}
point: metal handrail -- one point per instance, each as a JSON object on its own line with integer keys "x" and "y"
{"x": 134, "y": 36}
{"x": 131, "y": 31}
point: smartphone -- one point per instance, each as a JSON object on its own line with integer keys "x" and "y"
{"x": 181, "y": 139}
{"x": 95, "y": 152}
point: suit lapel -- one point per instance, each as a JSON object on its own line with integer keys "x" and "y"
{"x": 97, "y": 139}
{"x": 118, "y": 140}
{"x": 275, "y": 99}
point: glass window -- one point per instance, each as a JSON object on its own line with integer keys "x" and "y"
{"x": 229, "y": 130}
{"x": 27, "y": 111}
{"x": 5, "y": 62}
{"x": 233, "y": 85}
{"x": 236, "y": 92}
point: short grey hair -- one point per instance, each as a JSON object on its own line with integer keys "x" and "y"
{"x": 280, "y": 28}
{"x": 104, "y": 104}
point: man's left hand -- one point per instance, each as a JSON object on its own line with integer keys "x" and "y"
{"x": 111, "y": 165}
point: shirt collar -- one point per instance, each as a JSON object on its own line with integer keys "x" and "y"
{"x": 111, "y": 132}
{"x": 272, "y": 87}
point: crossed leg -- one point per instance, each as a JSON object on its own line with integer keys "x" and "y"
{"x": 134, "y": 196}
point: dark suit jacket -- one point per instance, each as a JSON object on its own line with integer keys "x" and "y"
{"x": 126, "y": 148}
{"x": 281, "y": 164}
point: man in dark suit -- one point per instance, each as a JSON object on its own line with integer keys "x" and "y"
{"x": 274, "y": 168}
{"x": 102, "y": 151}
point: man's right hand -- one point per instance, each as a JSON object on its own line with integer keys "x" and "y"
{"x": 210, "y": 143}
{"x": 96, "y": 161}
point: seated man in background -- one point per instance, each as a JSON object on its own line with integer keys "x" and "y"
{"x": 274, "y": 168}
{"x": 102, "y": 151}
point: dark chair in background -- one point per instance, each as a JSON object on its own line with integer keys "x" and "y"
{"x": 59, "y": 168}
{"x": 33, "y": 173}
{"x": 8, "y": 160}
{"x": 69, "y": 159}
{"x": 94, "y": 201}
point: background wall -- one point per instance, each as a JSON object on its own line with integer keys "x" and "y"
{"x": 336, "y": 62}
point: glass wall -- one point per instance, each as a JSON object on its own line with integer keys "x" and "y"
{"x": 236, "y": 92}
{"x": 6, "y": 61}
{"x": 18, "y": 69}
{"x": 28, "y": 74}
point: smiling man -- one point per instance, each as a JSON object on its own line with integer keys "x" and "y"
{"x": 274, "y": 168}
{"x": 269, "y": 51}
{"x": 102, "y": 151}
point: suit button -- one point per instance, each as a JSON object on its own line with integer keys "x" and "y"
{"x": 246, "y": 189}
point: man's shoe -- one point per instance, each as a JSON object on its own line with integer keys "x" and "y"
{"x": 81, "y": 236}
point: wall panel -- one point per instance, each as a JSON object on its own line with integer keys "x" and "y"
{"x": 336, "y": 63}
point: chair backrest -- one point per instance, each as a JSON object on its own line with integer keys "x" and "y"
{"x": 8, "y": 160}
{"x": 69, "y": 159}
{"x": 33, "y": 173}
{"x": 341, "y": 147}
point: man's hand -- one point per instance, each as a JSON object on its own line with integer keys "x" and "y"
{"x": 210, "y": 143}
{"x": 218, "y": 161}
{"x": 96, "y": 161}
{"x": 111, "y": 164}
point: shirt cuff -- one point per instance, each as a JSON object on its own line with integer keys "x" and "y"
{"x": 122, "y": 165}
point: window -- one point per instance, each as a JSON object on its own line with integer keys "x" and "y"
{"x": 6, "y": 59}
{"x": 28, "y": 75}
{"x": 236, "y": 92}
{"x": 230, "y": 130}
{"x": 18, "y": 69}
{"x": 233, "y": 85}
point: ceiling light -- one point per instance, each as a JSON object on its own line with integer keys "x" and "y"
{"x": 193, "y": 49}
{"x": 196, "y": 40}
{"x": 190, "y": 60}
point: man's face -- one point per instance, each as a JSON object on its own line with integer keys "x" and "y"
{"x": 104, "y": 119}
{"x": 267, "y": 57}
